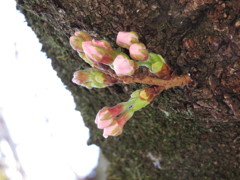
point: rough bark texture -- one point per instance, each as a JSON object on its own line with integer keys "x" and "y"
{"x": 188, "y": 132}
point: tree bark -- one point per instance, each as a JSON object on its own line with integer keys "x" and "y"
{"x": 189, "y": 132}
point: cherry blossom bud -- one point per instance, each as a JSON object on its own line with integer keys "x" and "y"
{"x": 85, "y": 58}
{"x": 116, "y": 127}
{"x": 113, "y": 130}
{"x": 113, "y": 119}
{"x": 92, "y": 78}
{"x": 80, "y": 77}
{"x": 102, "y": 43}
{"x": 78, "y": 38}
{"x": 124, "y": 117}
{"x": 138, "y": 52}
{"x": 98, "y": 51}
{"x": 123, "y": 66}
{"x": 107, "y": 114}
{"x": 126, "y": 39}
{"x": 76, "y": 43}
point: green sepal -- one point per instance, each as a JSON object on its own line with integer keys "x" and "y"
{"x": 139, "y": 104}
{"x": 86, "y": 59}
{"x": 154, "y": 62}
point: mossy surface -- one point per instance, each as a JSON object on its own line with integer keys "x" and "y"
{"x": 187, "y": 132}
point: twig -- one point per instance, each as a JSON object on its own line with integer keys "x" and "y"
{"x": 166, "y": 84}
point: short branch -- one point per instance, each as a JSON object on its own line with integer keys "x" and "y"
{"x": 166, "y": 84}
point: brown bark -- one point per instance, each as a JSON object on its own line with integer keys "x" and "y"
{"x": 191, "y": 131}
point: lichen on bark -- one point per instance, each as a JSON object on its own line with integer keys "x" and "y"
{"x": 193, "y": 131}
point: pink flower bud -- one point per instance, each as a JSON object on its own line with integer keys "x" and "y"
{"x": 116, "y": 127}
{"x": 124, "y": 117}
{"x": 123, "y": 66}
{"x": 98, "y": 51}
{"x": 126, "y": 39}
{"x": 107, "y": 114}
{"x": 92, "y": 78}
{"x": 113, "y": 130}
{"x": 102, "y": 43}
{"x": 138, "y": 52}
{"x": 76, "y": 43}
{"x": 80, "y": 77}
{"x": 78, "y": 38}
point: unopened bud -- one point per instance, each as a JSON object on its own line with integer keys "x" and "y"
{"x": 92, "y": 78}
{"x": 78, "y": 38}
{"x": 80, "y": 77}
{"x": 106, "y": 115}
{"x": 138, "y": 52}
{"x": 98, "y": 51}
{"x": 116, "y": 127}
{"x": 123, "y": 66}
{"x": 126, "y": 39}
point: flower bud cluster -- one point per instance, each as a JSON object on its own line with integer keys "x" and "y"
{"x": 96, "y": 52}
{"x": 112, "y": 119}
{"x": 142, "y": 57}
{"x": 91, "y": 50}
{"x": 111, "y": 66}
{"x": 130, "y": 40}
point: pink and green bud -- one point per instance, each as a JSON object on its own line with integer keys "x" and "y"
{"x": 123, "y": 66}
{"x": 116, "y": 127}
{"x": 113, "y": 119}
{"x": 78, "y": 38}
{"x": 98, "y": 51}
{"x": 101, "y": 80}
{"x": 76, "y": 43}
{"x": 80, "y": 77}
{"x": 113, "y": 129}
{"x": 124, "y": 117}
{"x": 126, "y": 39}
{"x": 106, "y": 115}
{"x": 92, "y": 78}
{"x": 85, "y": 58}
{"x": 102, "y": 43}
{"x": 138, "y": 52}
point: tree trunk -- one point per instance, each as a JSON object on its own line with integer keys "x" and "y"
{"x": 189, "y": 132}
